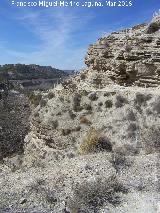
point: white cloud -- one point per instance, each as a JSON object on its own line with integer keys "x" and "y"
{"x": 55, "y": 30}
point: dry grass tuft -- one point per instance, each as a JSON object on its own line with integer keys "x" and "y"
{"x": 94, "y": 141}
{"x": 90, "y": 141}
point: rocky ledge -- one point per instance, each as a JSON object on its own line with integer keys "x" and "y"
{"x": 128, "y": 57}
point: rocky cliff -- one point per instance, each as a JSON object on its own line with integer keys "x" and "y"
{"x": 94, "y": 142}
{"x": 129, "y": 57}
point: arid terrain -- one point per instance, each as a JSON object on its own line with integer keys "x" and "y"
{"x": 93, "y": 142}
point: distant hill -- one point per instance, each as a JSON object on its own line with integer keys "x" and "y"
{"x": 32, "y": 71}
{"x": 71, "y": 72}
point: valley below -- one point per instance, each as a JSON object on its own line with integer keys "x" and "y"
{"x": 37, "y": 84}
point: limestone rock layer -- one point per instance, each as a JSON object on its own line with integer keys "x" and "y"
{"x": 128, "y": 57}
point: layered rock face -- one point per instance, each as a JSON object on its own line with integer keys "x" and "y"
{"x": 128, "y": 57}
{"x": 94, "y": 141}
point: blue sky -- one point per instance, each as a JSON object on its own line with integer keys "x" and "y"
{"x": 60, "y": 36}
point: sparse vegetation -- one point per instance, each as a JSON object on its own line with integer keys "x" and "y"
{"x": 50, "y": 142}
{"x": 97, "y": 82}
{"x": 86, "y": 146}
{"x": 66, "y": 132}
{"x": 119, "y": 161}
{"x": 55, "y": 124}
{"x": 90, "y": 196}
{"x": 108, "y": 104}
{"x": 87, "y": 107}
{"x": 153, "y": 27}
{"x": 150, "y": 138}
{"x": 35, "y": 98}
{"x": 100, "y": 104}
{"x": 90, "y": 141}
{"x": 71, "y": 114}
{"x": 132, "y": 127}
{"x": 69, "y": 85}
{"x": 106, "y": 94}
{"x": 77, "y": 102}
{"x": 104, "y": 144}
{"x": 141, "y": 99}
{"x": 83, "y": 76}
{"x": 94, "y": 141}
{"x": 43, "y": 102}
{"x": 93, "y": 96}
{"x": 130, "y": 115}
{"x": 78, "y": 128}
{"x": 156, "y": 106}
{"x": 120, "y": 154}
{"x": 128, "y": 48}
{"x": 51, "y": 95}
{"x": 84, "y": 93}
{"x": 120, "y": 101}
{"x": 84, "y": 120}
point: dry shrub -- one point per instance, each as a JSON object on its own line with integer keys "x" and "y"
{"x": 94, "y": 141}
{"x": 150, "y": 139}
{"x": 43, "y": 102}
{"x": 100, "y": 104}
{"x": 104, "y": 144}
{"x": 93, "y": 96}
{"x": 141, "y": 99}
{"x": 66, "y": 132}
{"x": 152, "y": 28}
{"x": 156, "y": 105}
{"x": 51, "y": 95}
{"x": 120, "y": 101}
{"x": 83, "y": 76}
{"x": 108, "y": 104}
{"x": 87, "y": 107}
{"x": 35, "y": 99}
{"x": 52, "y": 123}
{"x": 89, "y": 142}
{"x": 120, "y": 155}
{"x": 84, "y": 120}
{"x": 132, "y": 130}
{"x": 90, "y": 196}
{"x": 126, "y": 150}
{"x": 130, "y": 115}
{"x": 84, "y": 92}
{"x": 50, "y": 142}
{"x": 72, "y": 115}
{"x": 77, "y": 102}
{"x": 106, "y": 94}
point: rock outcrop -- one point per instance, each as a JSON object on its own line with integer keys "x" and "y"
{"x": 94, "y": 142}
{"x": 128, "y": 57}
